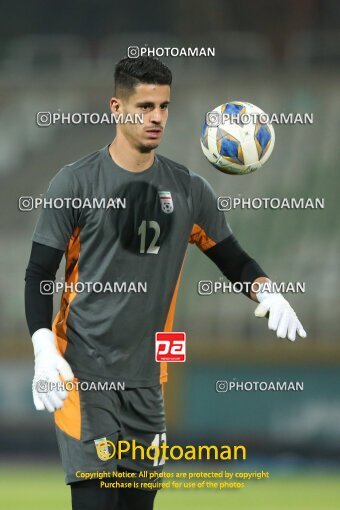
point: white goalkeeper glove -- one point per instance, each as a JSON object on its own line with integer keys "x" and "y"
{"x": 48, "y": 392}
{"x": 282, "y": 317}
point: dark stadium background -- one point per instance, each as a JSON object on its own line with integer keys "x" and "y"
{"x": 281, "y": 56}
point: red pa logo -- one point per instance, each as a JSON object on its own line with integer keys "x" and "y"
{"x": 170, "y": 346}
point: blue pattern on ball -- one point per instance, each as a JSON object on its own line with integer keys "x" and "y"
{"x": 263, "y": 137}
{"x": 229, "y": 148}
{"x": 233, "y": 109}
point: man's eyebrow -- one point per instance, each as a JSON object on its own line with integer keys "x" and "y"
{"x": 150, "y": 103}
{"x": 145, "y": 103}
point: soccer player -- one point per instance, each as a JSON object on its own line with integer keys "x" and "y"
{"x": 110, "y": 336}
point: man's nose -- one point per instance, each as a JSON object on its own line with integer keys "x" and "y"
{"x": 156, "y": 116}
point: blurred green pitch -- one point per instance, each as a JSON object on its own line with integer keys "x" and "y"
{"x": 33, "y": 488}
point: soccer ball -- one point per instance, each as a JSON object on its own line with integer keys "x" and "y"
{"x": 237, "y": 137}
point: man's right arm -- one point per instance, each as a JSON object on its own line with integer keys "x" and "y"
{"x": 50, "y": 239}
{"x": 49, "y": 364}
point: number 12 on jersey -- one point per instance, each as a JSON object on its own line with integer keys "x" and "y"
{"x": 153, "y": 247}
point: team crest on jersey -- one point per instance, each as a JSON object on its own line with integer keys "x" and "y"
{"x": 166, "y": 201}
{"x": 102, "y": 447}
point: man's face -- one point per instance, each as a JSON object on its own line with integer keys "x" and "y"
{"x": 151, "y": 101}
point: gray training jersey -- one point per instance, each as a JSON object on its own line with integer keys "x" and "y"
{"x": 125, "y": 235}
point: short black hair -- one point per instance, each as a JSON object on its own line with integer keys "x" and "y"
{"x": 130, "y": 72}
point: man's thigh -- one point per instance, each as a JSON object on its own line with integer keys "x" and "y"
{"x": 142, "y": 422}
{"x": 90, "y": 422}
{"x": 85, "y": 426}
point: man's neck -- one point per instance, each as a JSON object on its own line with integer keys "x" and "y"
{"x": 130, "y": 158}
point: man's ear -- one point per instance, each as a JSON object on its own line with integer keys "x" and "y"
{"x": 115, "y": 105}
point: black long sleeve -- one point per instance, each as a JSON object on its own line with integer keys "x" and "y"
{"x": 235, "y": 263}
{"x": 43, "y": 265}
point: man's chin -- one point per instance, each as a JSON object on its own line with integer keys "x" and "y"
{"x": 148, "y": 147}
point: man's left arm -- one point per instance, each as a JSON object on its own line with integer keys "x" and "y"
{"x": 240, "y": 268}
{"x": 212, "y": 234}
